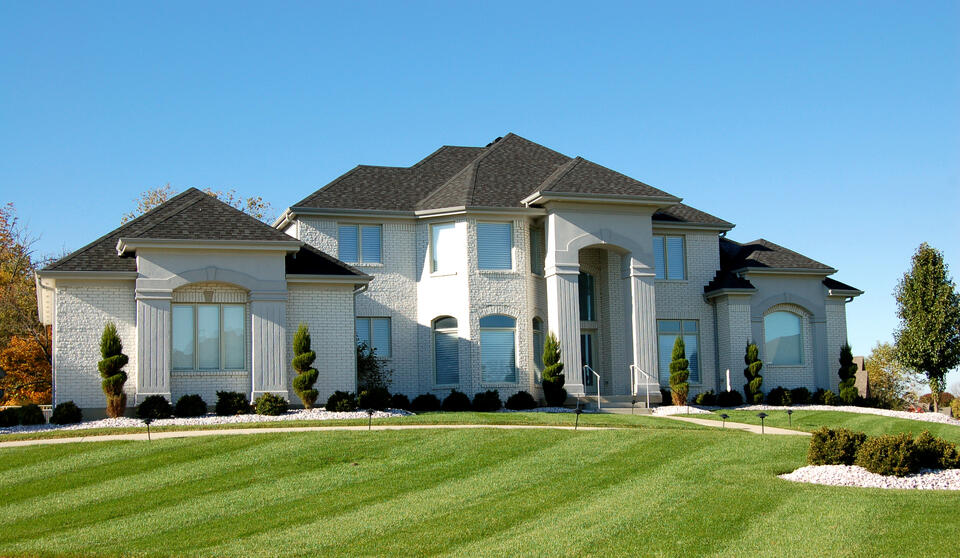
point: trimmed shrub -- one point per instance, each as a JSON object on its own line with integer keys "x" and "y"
{"x": 66, "y": 413}
{"x": 679, "y": 373}
{"x": 834, "y": 447}
{"x": 31, "y": 415}
{"x": 830, "y": 398}
{"x": 889, "y": 455}
{"x": 520, "y": 401}
{"x": 111, "y": 370}
{"x": 341, "y": 402}
{"x": 729, "y": 399}
{"x": 553, "y": 378}
{"x": 487, "y": 401}
{"x": 426, "y": 403}
{"x": 457, "y": 401}
{"x": 271, "y": 405}
{"x": 231, "y": 403}
{"x": 371, "y": 371}
{"x": 955, "y": 408}
{"x": 778, "y": 396}
{"x": 400, "y": 401}
{"x": 154, "y": 407}
{"x": 190, "y": 406}
{"x": 934, "y": 453}
{"x": 799, "y": 396}
{"x": 303, "y": 365}
{"x": 9, "y": 417}
{"x": 707, "y": 398}
{"x": 752, "y": 373}
{"x": 848, "y": 375}
{"x": 377, "y": 398}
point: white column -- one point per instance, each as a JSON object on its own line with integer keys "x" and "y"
{"x": 563, "y": 318}
{"x": 642, "y": 314}
{"x": 153, "y": 344}
{"x": 268, "y": 331}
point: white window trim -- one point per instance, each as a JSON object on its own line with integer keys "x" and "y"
{"x": 699, "y": 381}
{"x": 513, "y": 248}
{"x": 666, "y": 259}
{"x": 196, "y": 340}
{"x": 370, "y": 333}
{"x": 359, "y": 227}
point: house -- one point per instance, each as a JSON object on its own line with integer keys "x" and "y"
{"x": 454, "y": 269}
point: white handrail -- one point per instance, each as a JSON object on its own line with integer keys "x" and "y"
{"x": 646, "y": 381}
{"x": 587, "y": 367}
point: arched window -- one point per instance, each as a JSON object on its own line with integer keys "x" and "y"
{"x": 538, "y": 343}
{"x": 497, "y": 349}
{"x": 782, "y": 339}
{"x": 446, "y": 354}
{"x": 588, "y": 311}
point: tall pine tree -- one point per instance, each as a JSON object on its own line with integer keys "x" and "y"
{"x": 553, "y": 378}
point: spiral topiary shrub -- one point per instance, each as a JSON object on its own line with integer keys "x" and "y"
{"x": 66, "y": 413}
{"x": 190, "y": 406}
{"x": 487, "y": 401}
{"x": 376, "y": 398}
{"x": 834, "y": 447}
{"x": 457, "y": 401}
{"x": 553, "y": 378}
{"x": 302, "y": 364}
{"x": 230, "y": 403}
{"x": 520, "y": 401}
{"x": 271, "y": 405}
{"x": 426, "y": 403}
{"x": 31, "y": 414}
{"x": 400, "y": 401}
{"x": 729, "y": 399}
{"x": 154, "y": 407}
{"x": 752, "y": 389}
{"x": 341, "y": 402}
{"x": 679, "y": 373}
{"x": 111, "y": 370}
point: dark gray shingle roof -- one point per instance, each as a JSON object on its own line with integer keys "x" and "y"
{"x": 681, "y": 213}
{"x": 586, "y": 177}
{"x": 835, "y": 285}
{"x": 763, "y": 254}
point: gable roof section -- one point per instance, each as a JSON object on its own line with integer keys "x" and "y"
{"x": 581, "y": 176}
{"x": 190, "y": 215}
{"x": 763, "y": 254}
{"x": 684, "y": 214}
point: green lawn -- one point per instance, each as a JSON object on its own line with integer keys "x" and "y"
{"x": 627, "y": 492}
{"x": 531, "y": 418}
{"x": 809, "y": 421}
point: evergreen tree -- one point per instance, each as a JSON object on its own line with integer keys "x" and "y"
{"x": 302, "y": 363}
{"x": 679, "y": 373}
{"x": 752, "y": 373}
{"x": 848, "y": 375}
{"x": 111, "y": 370}
{"x": 553, "y": 378}
{"x": 928, "y": 305}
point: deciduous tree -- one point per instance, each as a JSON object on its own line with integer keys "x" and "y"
{"x": 889, "y": 380}
{"x": 26, "y": 377}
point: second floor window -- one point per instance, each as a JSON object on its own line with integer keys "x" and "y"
{"x": 669, "y": 257}
{"x": 495, "y": 246}
{"x": 359, "y": 243}
{"x": 443, "y": 248}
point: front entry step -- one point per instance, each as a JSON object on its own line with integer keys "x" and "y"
{"x": 615, "y": 403}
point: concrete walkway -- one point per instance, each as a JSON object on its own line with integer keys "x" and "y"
{"x": 142, "y": 436}
{"x": 755, "y": 428}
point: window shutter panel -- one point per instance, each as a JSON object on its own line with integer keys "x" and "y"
{"x": 447, "y": 358}
{"x": 659, "y": 261}
{"x": 348, "y": 244}
{"x": 363, "y": 331}
{"x": 676, "y": 260}
{"x": 381, "y": 336}
{"x": 494, "y": 245}
{"x": 370, "y": 243}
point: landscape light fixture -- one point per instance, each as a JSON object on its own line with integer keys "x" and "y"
{"x": 724, "y": 417}
{"x": 790, "y": 416}
{"x": 762, "y": 416}
{"x": 369, "y": 419}
{"x": 633, "y": 403}
{"x": 578, "y": 411}
{"x": 147, "y": 421}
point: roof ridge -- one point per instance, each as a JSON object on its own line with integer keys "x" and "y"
{"x": 123, "y": 226}
{"x": 559, "y": 173}
{"x": 438, "y": 150}
{"x": 181, "y": 210}
{"x": 487, "y": 151}
{"x": 471, "y": 164}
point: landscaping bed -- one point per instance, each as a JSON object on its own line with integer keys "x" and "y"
{"x": 853, "y": 475}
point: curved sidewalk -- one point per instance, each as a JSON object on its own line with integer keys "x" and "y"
{"x": 755, "y": 428}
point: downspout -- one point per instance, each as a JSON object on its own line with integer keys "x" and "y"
{"x": 716, "y": 346}
{"x": 53, "y": 353}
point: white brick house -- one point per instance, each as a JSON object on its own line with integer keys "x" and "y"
{"x": 456, "y": 267}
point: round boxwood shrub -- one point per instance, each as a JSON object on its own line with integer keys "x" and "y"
{"x": 934, "y": 453}
{"x": 487, "y": 401}
{"x": 799, "y": 396}
{"x": 376, "y": 398}
{"x": 834, "y": 447}
{"x": 400, "y": 401}
{"x": 520, "y": 401}
{"x": 729, "y": 399}
{"x": 889, "y": 455}
{"x": 426, "y": 403}
{"x": 271, "y": 405}
{"x": 706, "y": 398}
{"x": 341, "y": 402}
{"x": 31, "y": 415}
{"x": 190, "y": 406}
{"x": 66, "y": 413}
{"x": 230, "y": 403}
{"x": 154, "y": 407}
{"x": 455, "y": 402}
{"x": 778, "y": 396}
{"x": 9, "y": 417}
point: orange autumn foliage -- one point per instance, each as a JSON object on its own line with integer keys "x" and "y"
{"x": 27, "y": 377}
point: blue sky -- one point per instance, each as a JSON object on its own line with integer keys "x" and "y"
{"x": 830, "y": 128}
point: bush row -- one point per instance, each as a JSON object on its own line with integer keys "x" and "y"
{"x": 889, "y": 454}
{"x": 28, "y": 415}
{"x": 456, "y": 401}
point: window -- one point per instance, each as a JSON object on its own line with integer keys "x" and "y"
{"x": 782, "y": 342}
{"x": 494, "y": 245}
{"x": 208, "y": 337}
{"x": 443, "y": 248}
{"x": 360, "y": 243}
{"x": 668, "y": 257}
{"x": 497, "y": 352}
{"x": 375, "y": 332}
{"x": 667, "y": 333}
{"x": 538, "y": 250}
{"x": 446, "y": 353}
{"x": 588, "y": 310}
{"x": 588, "y": 347}
{"x": 538, "y": 343}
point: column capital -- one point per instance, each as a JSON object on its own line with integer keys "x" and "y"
{"x": 562, "y": 269}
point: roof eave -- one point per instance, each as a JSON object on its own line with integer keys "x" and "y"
{"x": 785, "y": 271}
{"x": 699, "y": 226}
{"x": 729, "y": 291}
{"x": 844, "y": 292}
{"x": 125, "y": 245}
{"x": 539, "y": 197}
{"x": 354, "y": 280}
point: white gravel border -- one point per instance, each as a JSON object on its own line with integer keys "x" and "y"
{"x": 668, "y": 410}
{"x": 852, "y": 475}
{"x": 127, "y": 422}
{"x": 924, "y": 417}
